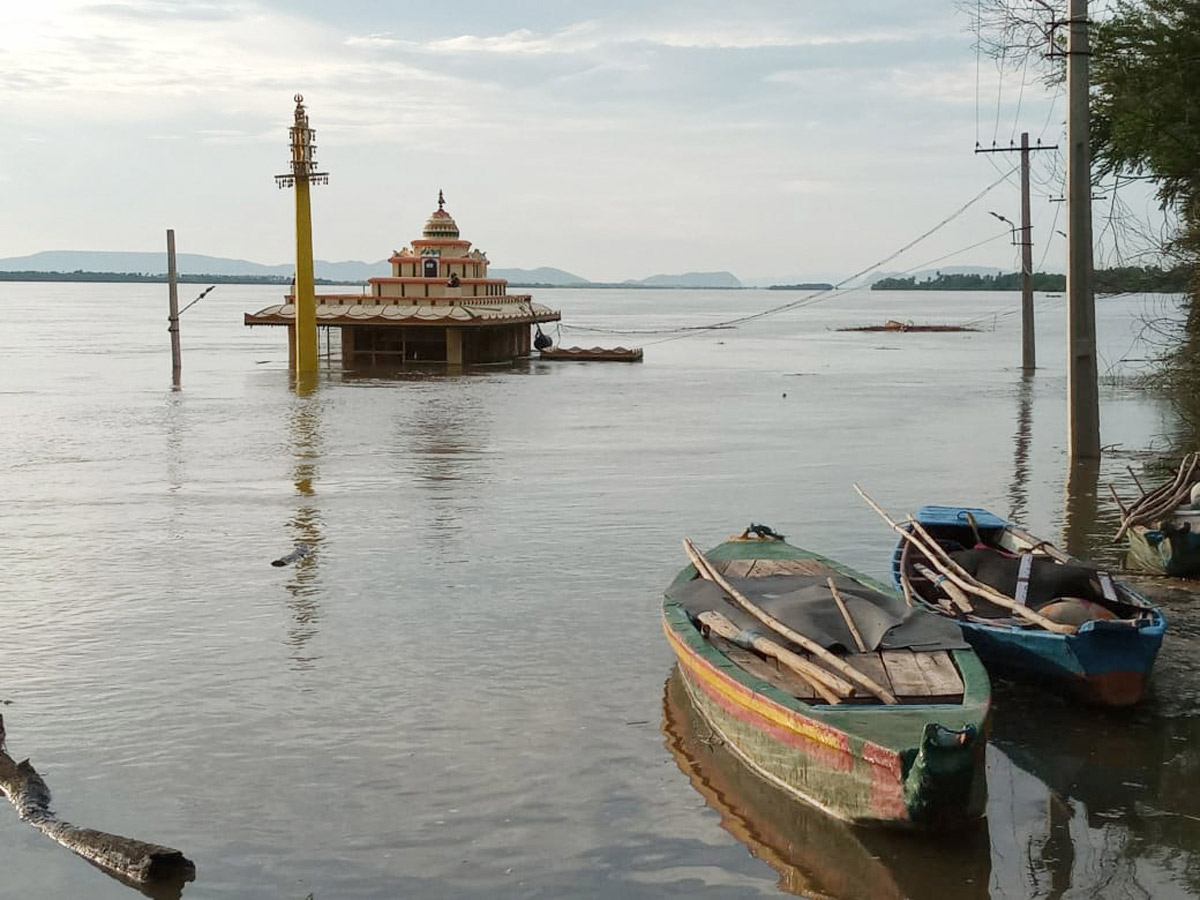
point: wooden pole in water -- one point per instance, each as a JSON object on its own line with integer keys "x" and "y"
{"x": 173, "y": 317}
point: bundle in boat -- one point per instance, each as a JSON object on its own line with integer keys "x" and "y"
{"x": 1029, "y": 609}
{"x": 132, "y": 861}
{"x": 1163, "y": 525}
{"x": 829, "y": 685}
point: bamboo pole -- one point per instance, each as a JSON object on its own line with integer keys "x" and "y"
{"x": 841, "y": 605}
{"x": 1163, "y": 499}
{"x": 1121, "y": 506}
{"x": 952, "y": 570}
{"x": 957, "y": 595}
{"x": 707, "y": 572}
{"x": 716, "y": 622}
{"x": 905, "y": 581}
{"x": 1049, "y": 549}
{"x": 944, "y": 563}
{"x": 1133, "y": 475}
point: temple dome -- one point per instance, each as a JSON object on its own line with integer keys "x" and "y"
{"x": 440, "y": 223}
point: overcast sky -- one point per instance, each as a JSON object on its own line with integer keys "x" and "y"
{"x": 614, "y": 139}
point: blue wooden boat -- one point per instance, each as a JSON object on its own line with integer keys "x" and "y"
{"x": 1108, "y": 634}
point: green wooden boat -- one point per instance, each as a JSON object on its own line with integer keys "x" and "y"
{"x": 907, "y": 750}
{"x": 815, "y": 854}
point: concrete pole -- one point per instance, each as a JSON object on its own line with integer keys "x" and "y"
{"x": 1028, "y": 353}
{"x": 173, "y": 315}
{"x": 1083, "y": 395}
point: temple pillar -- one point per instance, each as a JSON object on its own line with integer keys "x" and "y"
{"x": 454, "y": 346}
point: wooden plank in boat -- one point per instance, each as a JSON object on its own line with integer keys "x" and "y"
{"x": 872, "y": 666}
{"x": 792, "y": 567}
{"x": 923, "y": 677}
{"x": 761, "y": 568}
{"x": 737, "y": 568}
{"x": 767, "y": 669}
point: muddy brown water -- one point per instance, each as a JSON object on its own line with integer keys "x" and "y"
{"x": 459, "y": 692}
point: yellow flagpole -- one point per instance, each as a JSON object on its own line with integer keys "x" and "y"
{"x": 306, "y": 350}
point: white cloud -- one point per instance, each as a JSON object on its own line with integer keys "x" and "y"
{"x": 552, "y": 137}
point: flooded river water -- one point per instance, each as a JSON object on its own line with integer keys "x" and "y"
{"x": 463, "y": 690}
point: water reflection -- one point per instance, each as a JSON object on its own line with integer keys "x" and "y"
{"x": 1118, "y": 809}
{"x": 443, "y": 439}
{"x": 1081, "y": 802}
{"x": 1081, "y": 508}
{"x": 814, "y": 854}
{"x": 1018, "y": 488}
{"x": 304, "y": 429}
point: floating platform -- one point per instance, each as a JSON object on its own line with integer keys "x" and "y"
{"x": 597, "y": 354}
{"x": 893, "y": 325}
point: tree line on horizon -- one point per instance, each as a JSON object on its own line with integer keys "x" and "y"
{"x": 1117, "y": 280}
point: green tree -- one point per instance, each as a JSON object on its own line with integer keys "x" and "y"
{"x": 1145, "y": 105}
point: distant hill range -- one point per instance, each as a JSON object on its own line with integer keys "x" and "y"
{"x": 117, "y": 266}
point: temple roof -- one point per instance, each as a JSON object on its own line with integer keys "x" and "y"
{"x": 440, "y": 223}
{"x": 349, "y": 310}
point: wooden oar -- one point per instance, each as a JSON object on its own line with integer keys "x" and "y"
{"x": 841, "y": 605}
{"x": 709, "y": 573}
{"x": 716, "y": 622}
{"x": 956, "y": 594}
{"x": 942, "y": 561}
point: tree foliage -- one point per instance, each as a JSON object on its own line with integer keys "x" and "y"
{"x": 1145, "y": 105}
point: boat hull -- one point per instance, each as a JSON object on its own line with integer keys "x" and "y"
{"x": 1104, "y": 662}
{"x": 1173, "y": 553}
{"x": 1109, "y": 667}
{"x": 873, "y": 765}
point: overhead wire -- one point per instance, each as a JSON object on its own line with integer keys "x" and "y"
{"x": 815, "y": 297}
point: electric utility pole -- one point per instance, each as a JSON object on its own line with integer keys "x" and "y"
{"x": 1083, "y": 394}
{"x": 1028, "y": 354}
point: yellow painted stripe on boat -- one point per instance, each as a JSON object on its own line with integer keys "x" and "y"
{"x": 746, "y": 698}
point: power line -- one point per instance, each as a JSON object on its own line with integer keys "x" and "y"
{"x": 816, "y": 296}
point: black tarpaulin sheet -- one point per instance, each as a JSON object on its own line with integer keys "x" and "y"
{"x": 805, "y": 604}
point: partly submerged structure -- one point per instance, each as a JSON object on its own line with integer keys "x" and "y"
{"x": 437, "y": 306}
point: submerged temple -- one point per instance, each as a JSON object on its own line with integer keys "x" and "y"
{"x": 437, "y": 306}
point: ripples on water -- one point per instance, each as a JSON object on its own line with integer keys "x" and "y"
{"x": 460, "y": 690}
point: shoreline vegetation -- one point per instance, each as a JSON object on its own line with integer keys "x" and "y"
{"x": 1119, "y": 280}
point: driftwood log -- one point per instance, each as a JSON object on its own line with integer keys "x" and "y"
{"x": 131, "y": 861}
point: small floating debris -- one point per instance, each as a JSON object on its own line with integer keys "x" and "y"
{"x": 601, "y": 354}
{"x": 895, "y": 325}
{"x": 296, "y": 555}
